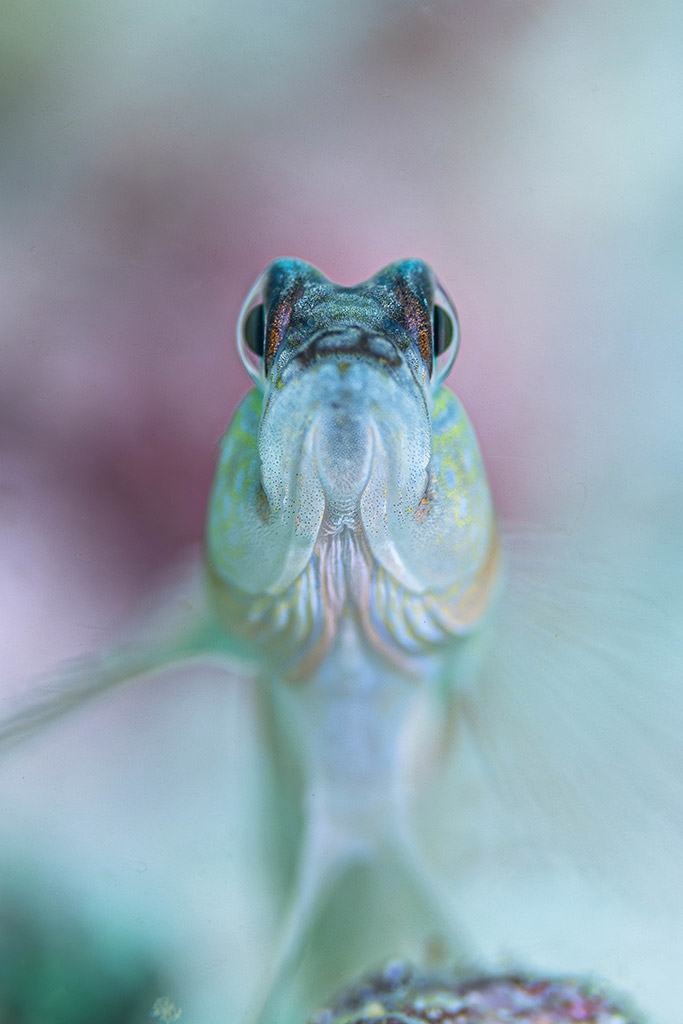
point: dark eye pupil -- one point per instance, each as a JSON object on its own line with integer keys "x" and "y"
{"x": 255, "y": 330}
{"x": 443, "y": 330}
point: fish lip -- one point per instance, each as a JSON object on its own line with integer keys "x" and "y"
{"x": 353, "y": 342}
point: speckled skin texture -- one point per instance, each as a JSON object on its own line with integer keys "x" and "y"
{"x": 399, "y": 995}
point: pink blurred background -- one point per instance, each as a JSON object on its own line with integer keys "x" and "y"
{"x": 156, "y": 157}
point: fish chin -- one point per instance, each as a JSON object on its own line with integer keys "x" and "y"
{"x": 361, "y": 431}
{"x": 344, "y": 445}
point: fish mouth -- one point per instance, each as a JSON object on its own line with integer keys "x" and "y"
{"x": 353, "y": 343}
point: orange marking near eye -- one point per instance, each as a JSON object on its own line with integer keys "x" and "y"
{"x": 417, "y": 321}
{"x": 279, "y": 317}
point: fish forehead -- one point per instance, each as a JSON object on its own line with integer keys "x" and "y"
{"x": 282, "y": 274}
{"x": 301, "y": 303}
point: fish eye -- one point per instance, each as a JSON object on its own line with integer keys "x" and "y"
{"x": 255, "y": 330}
{"x": 251, "y": 334}
{"x": 446, "y": 335}
{"x": 443, "y": 330}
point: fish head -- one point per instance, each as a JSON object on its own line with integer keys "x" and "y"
{"x": 347, "y": 375}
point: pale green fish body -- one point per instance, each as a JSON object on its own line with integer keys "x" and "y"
{"x": 351, "y": 539}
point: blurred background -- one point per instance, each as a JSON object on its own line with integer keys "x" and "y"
{"x": 154, "y": 158}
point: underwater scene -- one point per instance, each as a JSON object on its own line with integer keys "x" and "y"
{"x": 341, "y": 475}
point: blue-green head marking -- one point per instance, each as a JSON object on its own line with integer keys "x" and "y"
{"x": 295, "y": 312}
{"x": 350, "y": 481}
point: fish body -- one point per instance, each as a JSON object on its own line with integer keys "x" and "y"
{"x": 351, "y": 540}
